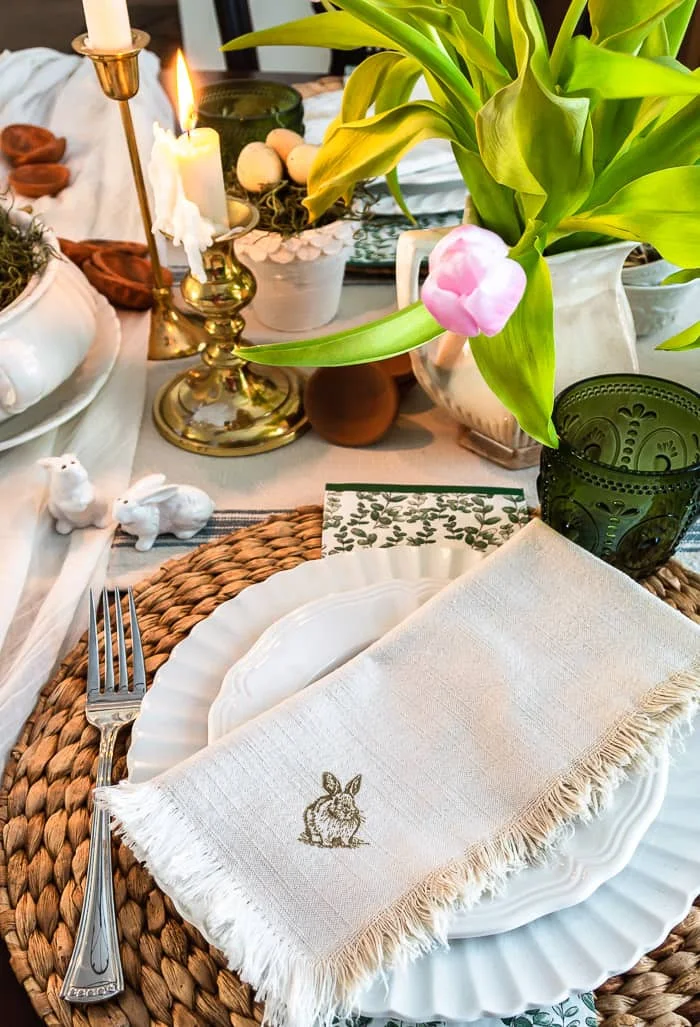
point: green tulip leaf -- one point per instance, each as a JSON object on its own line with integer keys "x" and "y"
{"x": 494, "y": 203}
{"x": 656, "y": 44}
{"x": 526, "y": 344}
{"x": 662, "y": 208}
{"x": 533, "y": 140}
{"x": 369, "y": 148}
{"x": 612, "y": 122}
{"x": 674, "y": 143}
{"x": 529, "y": 38}
{"x": 503, "y": 36}
{"x": 453, "y": 24}
{"x": 387, "y": 337}
{"x": 689, "y": 338}
{"x": 396, "y": 89}
{"x": 332, "y": 29}
{"x": 686, "y": 274}
{"x": 538, "y": 144}
{"x": 590, "y": 69}
{"x": 625, "y": 24}
{"x": 676, "y": 24}
{"x": 366, "y": 82}
{"x": 412, "y": 42}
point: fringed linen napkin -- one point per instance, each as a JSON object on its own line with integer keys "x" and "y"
{"x": 331, "y": 835}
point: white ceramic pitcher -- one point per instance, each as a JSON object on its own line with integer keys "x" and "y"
{"x": 593, "y": 332}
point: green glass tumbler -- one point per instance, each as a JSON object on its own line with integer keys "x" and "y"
{"x": 625, "y": 481}
{"x": 244, "y": 111}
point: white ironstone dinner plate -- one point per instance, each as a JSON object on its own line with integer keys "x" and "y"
{"x": 323, "y": 634}
{"x": 76, "y": 392}
{"x": 574, "y": 949}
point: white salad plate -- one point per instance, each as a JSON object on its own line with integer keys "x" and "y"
{"x": 172, "y": 724}
{"x": 76, "y": 392}
{"x": 315, "y": 638}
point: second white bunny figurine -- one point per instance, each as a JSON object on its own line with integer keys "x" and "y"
{"x": 73, "y": 501}
{"x": 150, "y": 508}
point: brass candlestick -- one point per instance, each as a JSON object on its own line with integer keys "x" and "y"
{"x": 172, "y": 334}
{"x": 226, "y": 406}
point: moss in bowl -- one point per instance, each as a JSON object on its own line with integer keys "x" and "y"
{"x": 24, "y": 252}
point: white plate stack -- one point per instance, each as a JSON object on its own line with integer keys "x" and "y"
{"x": 612, "y": 892}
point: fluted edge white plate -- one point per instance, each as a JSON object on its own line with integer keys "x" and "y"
{"x": 572, "y": 950}
{"x": 172, "y": 724}
{"x": 77, "y": 391}
{"x": 323, "y": 634}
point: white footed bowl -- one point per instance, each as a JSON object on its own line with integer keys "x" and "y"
{"x": 656, "y": 307}
{"x": 47, "y": 331}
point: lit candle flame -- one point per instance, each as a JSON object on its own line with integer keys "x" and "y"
{"x": 185, "y": 95}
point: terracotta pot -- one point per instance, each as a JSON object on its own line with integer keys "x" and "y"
{"x": 30, "y": 144}
{"x": 34, "y": 180}
{"x": 139, "y": 249}
{"x": 78, "y": 252}
{"x": 81, "y": 251}
{"x": 124, "y": 278}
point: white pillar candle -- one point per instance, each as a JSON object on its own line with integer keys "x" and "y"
{"x": 198, "y": 155}
{"x": 107, "y": 24}
{"x": 175, "y": 214}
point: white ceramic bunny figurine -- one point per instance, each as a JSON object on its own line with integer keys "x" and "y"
{"x": 73, "y": 500}
{"x": 150, "y": 508}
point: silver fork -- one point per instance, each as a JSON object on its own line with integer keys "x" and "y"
{"x": 95, "y": 970}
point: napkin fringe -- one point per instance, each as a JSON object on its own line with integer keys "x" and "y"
{"x": 420, "y": 920}
{"x": 300, "y": 992}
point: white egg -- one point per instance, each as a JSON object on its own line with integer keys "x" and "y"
{"x": 300, "y": 160}
{"x": 258, "y": 167}
{"x": 282, "y": 140}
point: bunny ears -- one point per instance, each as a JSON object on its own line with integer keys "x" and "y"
{"x": 150, "y": 489}
{"x": 333, "y": 786}
{"x": 57, "y": 462}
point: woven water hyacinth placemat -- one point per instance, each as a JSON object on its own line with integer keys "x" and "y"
{"x": 173, "y": 978}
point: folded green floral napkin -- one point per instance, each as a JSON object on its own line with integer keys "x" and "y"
{"x": 368, "y": 516}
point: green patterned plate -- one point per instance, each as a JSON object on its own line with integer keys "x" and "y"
{"x": 375, "y": 243}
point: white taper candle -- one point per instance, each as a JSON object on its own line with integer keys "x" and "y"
{"x": 108, "y": 26}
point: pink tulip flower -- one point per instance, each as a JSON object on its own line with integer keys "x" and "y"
{"x": 473, "y": 286}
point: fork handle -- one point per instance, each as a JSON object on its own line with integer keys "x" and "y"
{"x": 95, "y": 970}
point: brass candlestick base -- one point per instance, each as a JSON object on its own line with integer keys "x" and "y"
{"x": 172, "y": 334}
{"x": 226, "y": 406}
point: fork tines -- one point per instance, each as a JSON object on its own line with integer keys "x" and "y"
{"x": 136, "y": 685}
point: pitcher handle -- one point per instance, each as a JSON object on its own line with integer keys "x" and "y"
{"x": 412, "y": 248}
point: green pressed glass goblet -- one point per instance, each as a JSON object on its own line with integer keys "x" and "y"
{"x": 625, "y": 481}
{"x": 245, "y": 111}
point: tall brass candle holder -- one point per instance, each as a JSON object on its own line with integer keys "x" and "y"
{"x": 226, "y": 406}
{"x": 172, "y": 334}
